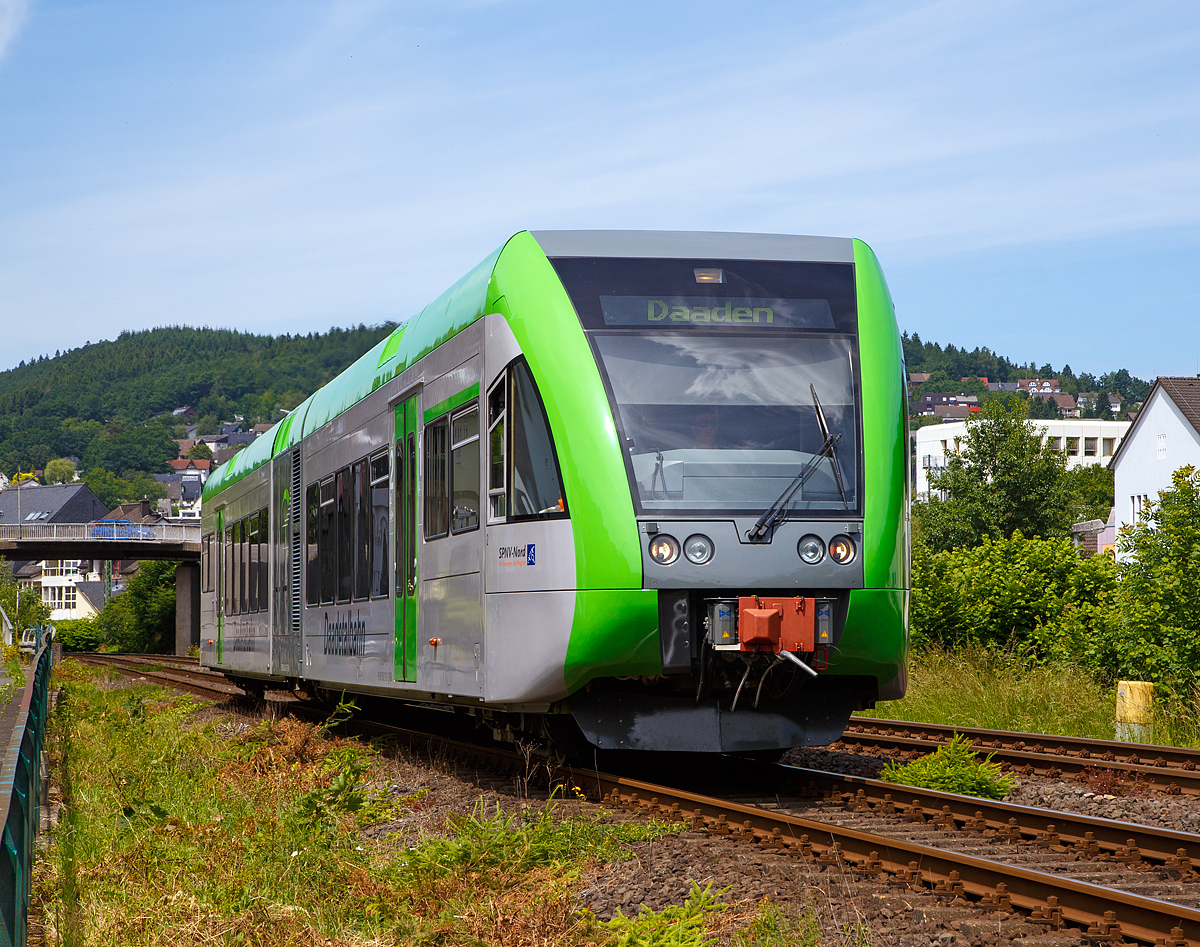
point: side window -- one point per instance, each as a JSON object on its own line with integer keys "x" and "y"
{"x": 497, "y": 450}
{"x": 264, "y": 557}
{"x": 464, "y": 470}
{"x": 325, "y": 540}
{"x": 379, "y": 525}
{"x": 206, "y": 564}
{"x": 312, "y": 511}
{"x": 362, "y": 531}
{"x": 345, "y": 536}
{"x": 535, "y": 486}
{"x": 252, "y": 561}
{"x": 243, "y": 567}
{"x": 437, "y": 505}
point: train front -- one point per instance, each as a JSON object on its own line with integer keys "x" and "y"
{"x": 759, "y": 403}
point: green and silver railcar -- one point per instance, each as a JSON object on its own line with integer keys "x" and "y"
{"x": 645, "y": 486}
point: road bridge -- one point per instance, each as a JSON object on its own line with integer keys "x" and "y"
{"x": 111, "y": 540}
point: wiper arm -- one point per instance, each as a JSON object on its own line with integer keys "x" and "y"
{"x": 777, "y": 511}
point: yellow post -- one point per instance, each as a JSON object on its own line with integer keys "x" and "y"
{"x": 1135, "y": 711}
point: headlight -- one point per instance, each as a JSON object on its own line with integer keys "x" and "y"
{"x": 811, "y": 549}
{"x": 841, "y": 549}
{"x": 664, "y": 549}
{"x": 698, "y": 549}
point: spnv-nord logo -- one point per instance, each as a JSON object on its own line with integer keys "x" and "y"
{"x": 518, "y": 555}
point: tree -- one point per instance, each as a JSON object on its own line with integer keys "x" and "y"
{"x": 133, "y": 486}
{"x": 1103, "y": 410}
{"x": 1155, "y": 628}
{"x": 199, "y": 451}
{"x": 1043, "y": 407}
{"x": 59, "y": 471}
{"x": 142, "y": 618}
{"x": 1090, "y": 488}
{"x": 1001, "y": 481}
{"x": 32, "y": 610}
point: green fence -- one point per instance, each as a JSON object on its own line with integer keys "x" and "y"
{"x": 20, "y": 793}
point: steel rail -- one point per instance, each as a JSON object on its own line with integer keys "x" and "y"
{"x": 1169, "y": 779}
{"x": 192, "y": 681}
{"x": 1049, "y": 899}
{"x": 1108, "y": 750}
{"x": 1127, "y": 841}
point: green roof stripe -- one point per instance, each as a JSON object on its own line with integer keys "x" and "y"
{"x": 452, "y": 402}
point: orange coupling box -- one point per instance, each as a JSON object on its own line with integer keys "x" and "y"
{"x": 776, "y": 624}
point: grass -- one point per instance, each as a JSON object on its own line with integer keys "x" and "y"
{"x": 180, "y": 831}
{"x": 1000, "y": 690}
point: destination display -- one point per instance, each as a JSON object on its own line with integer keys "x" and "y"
{"x": 675, "y": 311}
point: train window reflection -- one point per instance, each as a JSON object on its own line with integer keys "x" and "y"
{"x": 464, "y": 472}
{"x": 725, "y": 424}
{"x": 379, "y": 525}
{"x": 536, "y": 485}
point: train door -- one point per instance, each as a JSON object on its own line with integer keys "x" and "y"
{"x": 405, "y": 652}
{"x": 285, "y": 564}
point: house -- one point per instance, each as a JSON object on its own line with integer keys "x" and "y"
{"x": 1083, "y": 442}
{"x": 56, "y": 580}
{"x": 1065, "y": 404}
{"x": 261, "y": 429}
{"x": 230, "y": 429}
{"x": 184, "y": 413}
{"x": 954, "y": 412}
{"x": 185, "y": 445}
{"x": 926, "y": 403}
{"x": 1040, "y": 386}
{"x": 1165, "y": 437}
{"x": 982, "y": 378}
{"x": 1087, "y": 400}
{"x": 918, "y": 378}
{"x": 1002, "y": 386}
{"x": 198, "y": 464}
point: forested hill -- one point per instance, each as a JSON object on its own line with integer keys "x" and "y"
{"x": 957, "y": 363}
{"x": 86, "y": 402}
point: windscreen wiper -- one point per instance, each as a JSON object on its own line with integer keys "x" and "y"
{"x": 777, "y": 511}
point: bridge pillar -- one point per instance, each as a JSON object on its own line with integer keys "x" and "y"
{"x": 187, "y": 606}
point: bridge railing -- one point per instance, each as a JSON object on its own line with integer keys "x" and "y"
{"x": 101, "y": 530}
{"x": 21, "y": 795}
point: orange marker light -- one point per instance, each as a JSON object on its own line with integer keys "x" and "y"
{"x": 435, "y": 641}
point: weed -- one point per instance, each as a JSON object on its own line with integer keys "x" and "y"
{"x": 953, "y": 767}
{"x": 674, "y": 926}
{"x": 1109, "y": 782}
{"x": 775, "y": 925}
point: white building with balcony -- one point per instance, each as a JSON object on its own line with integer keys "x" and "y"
{"x": 1084, "y": 442}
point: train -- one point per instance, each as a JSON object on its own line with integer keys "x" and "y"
{"x": 641, "y": 490}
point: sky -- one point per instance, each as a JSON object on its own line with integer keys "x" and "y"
{"x": 1027, "y": 173}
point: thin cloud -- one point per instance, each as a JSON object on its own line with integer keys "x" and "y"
{"x": 13, "y": 14}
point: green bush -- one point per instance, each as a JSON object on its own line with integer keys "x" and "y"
{"x": 1035, "y": 594}
{"x": 953, "y": 768}
{"x": 1152, "y": 632}
{"x": 79, "y": 634}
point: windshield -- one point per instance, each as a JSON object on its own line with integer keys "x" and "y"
{"x": 724, "y": 424}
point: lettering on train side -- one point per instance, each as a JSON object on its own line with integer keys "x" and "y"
{"x": 518, "y": 555}
{"x": 345, "y": 636}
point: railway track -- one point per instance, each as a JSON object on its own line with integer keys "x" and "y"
{"x": 1111, "y": 881}
{"x": 180, "y": 673}
{"x": 1173, "y": 770}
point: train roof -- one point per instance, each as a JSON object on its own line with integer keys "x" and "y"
{"x": 467, "y": 301}
{"x": 689, "y": 244}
